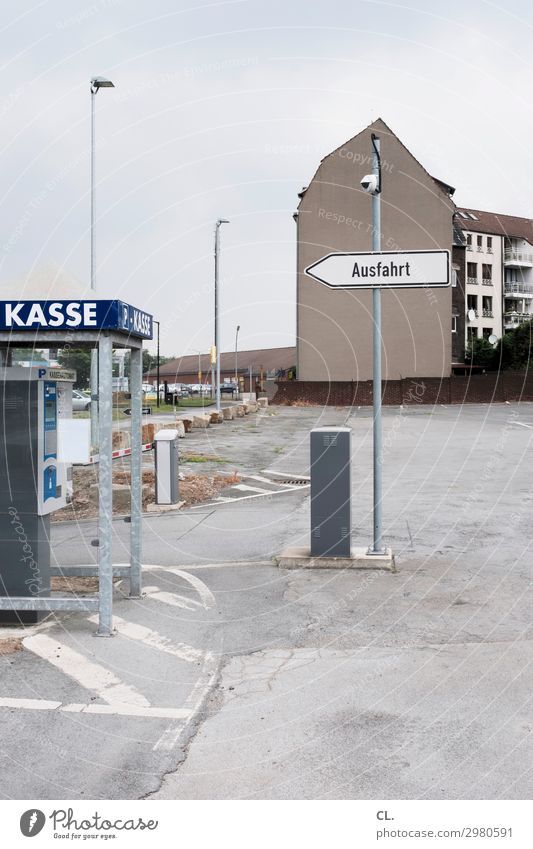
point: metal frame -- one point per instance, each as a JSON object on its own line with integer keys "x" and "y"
{"x": 104, "y": 341}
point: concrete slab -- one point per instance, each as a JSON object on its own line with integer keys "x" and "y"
{"x": 299, "y": 557}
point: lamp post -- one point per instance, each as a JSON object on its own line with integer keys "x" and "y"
{"x": 158, "y": 358}
{"x": 217, "y": 318}
{"x": 96, "y": 84}
{"x": 236, "y": 349}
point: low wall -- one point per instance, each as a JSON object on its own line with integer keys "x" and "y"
{"x": 493, "y": 387}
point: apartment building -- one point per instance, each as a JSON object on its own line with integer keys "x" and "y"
{"x": 498, "y": 271}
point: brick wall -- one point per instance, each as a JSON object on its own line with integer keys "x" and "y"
{"x": 493, "y": 387}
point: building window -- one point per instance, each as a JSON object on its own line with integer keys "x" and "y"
{"x": 480, "y": 243}
{"x": 471, "y": 303}
{"x": 486, "y": 274}
{"x": 489, "y": 244}
{"x": 487, "y": 306}
{"x": 487, "y": 331}
{"x": 471, "y": 272}
{"x": 471, "y": 334}
{"x": 454, "y": 324}
{"x": 469, "y": 241}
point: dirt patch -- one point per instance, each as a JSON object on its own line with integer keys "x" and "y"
{"x": 74, "y": 585}
{"x": 10, "y": 645}
{"x": 193, "y": 489}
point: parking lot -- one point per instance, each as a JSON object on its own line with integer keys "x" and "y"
{"x": 232, "y": 678}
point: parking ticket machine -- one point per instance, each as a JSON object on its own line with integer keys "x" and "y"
{"x": 33, "y": 481}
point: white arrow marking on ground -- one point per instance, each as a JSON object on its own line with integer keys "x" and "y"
{"x": 111, "y": 710}
{"x": 90, "y": 675}
{"x": 208, "y": 599}
{"x": 172, "y": 599}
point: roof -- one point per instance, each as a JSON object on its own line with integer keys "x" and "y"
{"x": 379, "y": 125}
{"x": 269, "y": 359}
{"x": 494, "y": 223}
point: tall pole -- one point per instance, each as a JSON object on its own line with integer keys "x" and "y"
{"x": 94, "y": 351}
{"x": 377, "y": 545}
{"x": 236, "y": 355}
{"x": 217, "y": 317}
{"x": 158, "y": 358}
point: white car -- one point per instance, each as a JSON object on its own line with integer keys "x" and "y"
{"x": 80, "y": 401}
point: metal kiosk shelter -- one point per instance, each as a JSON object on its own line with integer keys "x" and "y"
{"x": 101, "y": 325}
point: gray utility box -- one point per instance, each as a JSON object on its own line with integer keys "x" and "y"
{"x": 166, "y": 467}
{"x": 331, "y": 515}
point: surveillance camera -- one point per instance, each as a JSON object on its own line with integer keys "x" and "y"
{"x": 370, "y": 184}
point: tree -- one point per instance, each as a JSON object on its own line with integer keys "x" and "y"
{"x": 80, "y": 360}
{"x": 514, "y": 349}
{"x": 481, "y": 353}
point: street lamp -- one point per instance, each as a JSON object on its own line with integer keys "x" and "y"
{"x": 96, "y": 84}
{"x": 236, "y": 369}
{"x": 217, "y": 329}
{"x": 157, "y": 366}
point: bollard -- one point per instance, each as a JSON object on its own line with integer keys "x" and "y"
{"x": 166, "y": 466}
{"x": 331, "y": 521}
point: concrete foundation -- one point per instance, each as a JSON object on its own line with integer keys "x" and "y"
{"x": 299, "y": 557}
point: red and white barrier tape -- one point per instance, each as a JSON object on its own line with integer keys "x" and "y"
{"x": 120, "y": 452}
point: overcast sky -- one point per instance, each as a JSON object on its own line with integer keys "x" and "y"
{"x": 225, "y": 109}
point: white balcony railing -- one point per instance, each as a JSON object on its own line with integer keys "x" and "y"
{"x": 518, "y": 257}
{"x": 472, "y": 281}
{"x": 487, "y": 281}
{"x": 512, "y": 288}
{"x": 513, "y": 319}
{"x": 487, "y": 314}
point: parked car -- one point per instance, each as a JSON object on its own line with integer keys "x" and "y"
{"x": 228, "y": 387}
{"x": 81, "y": 402}
{"x": 200, "y": 388}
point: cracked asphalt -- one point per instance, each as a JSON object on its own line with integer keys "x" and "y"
{"x": 312, "y": 683}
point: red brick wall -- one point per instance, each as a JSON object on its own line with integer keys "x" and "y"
{"x": 488, "y": 388}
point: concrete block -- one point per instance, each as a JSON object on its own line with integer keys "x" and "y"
{"x": 120, "y": 439}
{"x": 187, "y": 424}
{"x": 299, "y": 557}
{"x": 239, "y": 411}
{"x": 228, "y": 413}
{"x": 200, "y": 421}
{"x": 262, "y": 403}
{"x": 148, "y": 433}
{"x": 216, "y": 417}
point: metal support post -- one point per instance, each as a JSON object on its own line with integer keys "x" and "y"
{"x": 136, "y": 471}
{"x": 94, "y": 352}
{"x": 105, "y": 486}
{"x": 377, "y": 545}
{"x": 217, "y": 324}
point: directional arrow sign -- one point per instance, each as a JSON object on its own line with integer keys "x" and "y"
{"x": 385, "y": 270}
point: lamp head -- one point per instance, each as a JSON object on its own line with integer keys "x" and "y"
{"x": 100, "y": 82}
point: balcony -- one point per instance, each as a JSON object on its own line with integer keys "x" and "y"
{"x": 472, "y": 281}
{"x": 511, "y": 257}
{"x": 488, "y": 314}
{"x": 486, "y": 281}
{"x": 511, "y": 289}
{"x": 513, "y": 319}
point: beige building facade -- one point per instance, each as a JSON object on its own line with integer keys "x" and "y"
{"x": 334, "y": 328}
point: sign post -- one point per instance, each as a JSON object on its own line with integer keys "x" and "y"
{"x": 380, "y": 270}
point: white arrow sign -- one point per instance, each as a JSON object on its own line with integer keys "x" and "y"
{"x": 409, "y": 269}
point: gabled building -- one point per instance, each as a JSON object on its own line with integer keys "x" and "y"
{"x": 334, "y": 328}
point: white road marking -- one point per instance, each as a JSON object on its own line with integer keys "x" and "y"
{"x": 208, "y": 599}
{"x": 194, "y": 702}
{"x": 172, "y": 599}
{"x": 108, "y": 710}
{"x": 520, "y": 424}
{"x": 270, "y": 493}
{"x": 90, "y": 675}
{"x": 196, "y": 566}
{"x": 287, "y": 474}
{"x": 245, "y": 488}
{"x": 29, "y": 704}
{"x": 155, "y": 640}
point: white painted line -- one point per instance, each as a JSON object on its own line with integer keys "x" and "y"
{"x": 249, "y": 497}
{"x": 232, "y": 563}
{"x": 244, "y": 488}
{"x": 261, "y": 479}
{"x": 132, "y": 631}
{"x": 129, "y": 710}
{"x": 172, "y": 599}
{"x": 90, "y": 675}
{"x": 208, "y": 599}
{"x": 520, "y": 424}
{"x": 108, "y": 710}
{"x": 29, "y": 704}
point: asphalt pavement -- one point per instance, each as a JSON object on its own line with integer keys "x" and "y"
{"x": 231, "y": 678}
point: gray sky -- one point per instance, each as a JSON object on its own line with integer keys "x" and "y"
{"x": 225, "y": 109}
